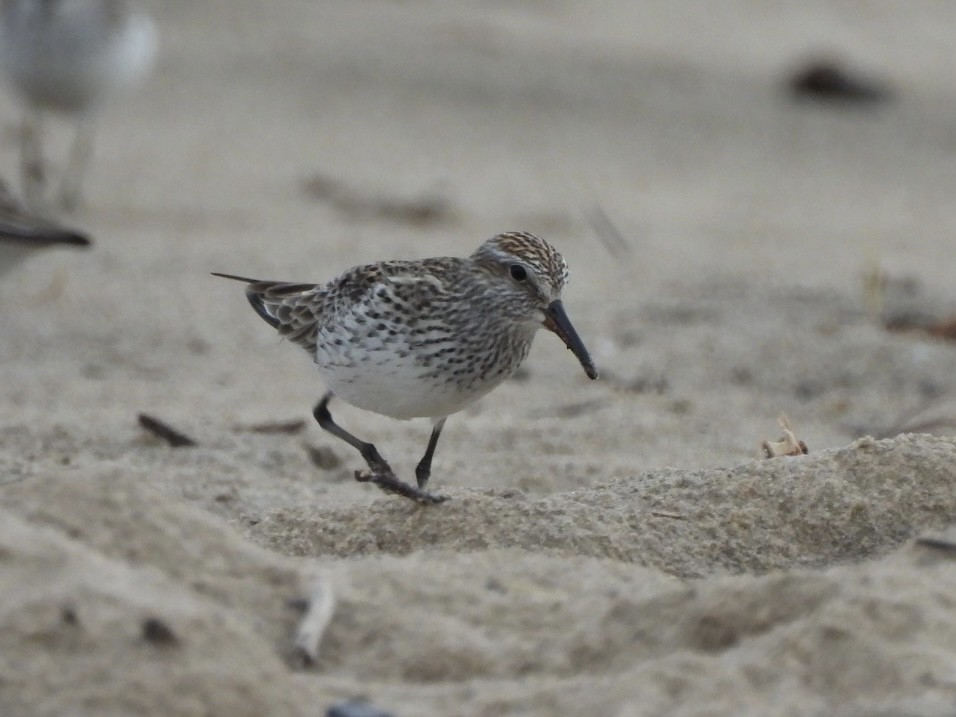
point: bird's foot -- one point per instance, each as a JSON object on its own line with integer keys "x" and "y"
{"x": 390, "y": 484}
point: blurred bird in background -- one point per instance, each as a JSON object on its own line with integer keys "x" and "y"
{"x": 69, "y": 57}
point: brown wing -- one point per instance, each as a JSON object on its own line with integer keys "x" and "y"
{"x": 363, "y": 293}
{"x": 292, "y": 309}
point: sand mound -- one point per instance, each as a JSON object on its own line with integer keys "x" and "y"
{"x": 121, "y": 600}
{"x": 838, "y": 505}
{"x": 118, "y": 600}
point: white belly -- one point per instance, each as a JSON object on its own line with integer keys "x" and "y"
{"x": 400, "y": 389}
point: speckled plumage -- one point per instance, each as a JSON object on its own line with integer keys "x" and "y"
{"x": 425, "y": 338}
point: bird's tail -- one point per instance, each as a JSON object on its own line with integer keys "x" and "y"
{"x": 279, "y": 303}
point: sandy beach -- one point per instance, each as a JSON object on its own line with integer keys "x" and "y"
{"x": 619, "y": 547}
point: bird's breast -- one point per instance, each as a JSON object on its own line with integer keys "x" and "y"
{"x": 429, "y": 370}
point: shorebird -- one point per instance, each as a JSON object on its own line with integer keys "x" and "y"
{"x": 69, "y": 57}
{"x": 422, "y": 338}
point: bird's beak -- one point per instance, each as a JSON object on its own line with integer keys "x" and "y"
{"x": 557, "y": 321}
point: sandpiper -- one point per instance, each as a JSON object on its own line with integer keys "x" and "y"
{"x": 422, "y": 338}
{"x": 69, "y": 56}
{"x": 23, "y": 233}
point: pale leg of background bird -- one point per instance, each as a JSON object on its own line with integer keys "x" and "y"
{"x": 79, "y": 158}
{"x": 32, "y": 168}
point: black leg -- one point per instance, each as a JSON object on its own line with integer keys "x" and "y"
{"x": 380, "y": 472}
{"x": 424, "y": 468}
{"x": 376, "y": 463}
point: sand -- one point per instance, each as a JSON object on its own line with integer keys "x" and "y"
{"x": 618, "y": 547}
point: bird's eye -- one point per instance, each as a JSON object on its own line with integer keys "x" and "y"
{"x": 518, "y": 272}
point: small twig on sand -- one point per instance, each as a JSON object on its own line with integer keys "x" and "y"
{"x": 788, "y": 445}
{"x": 662, "y": 514}
{"x": 163, "y": 430}
{"x": 294, "y": 425}
{"x": 608, "y": 233}
{"x": 947, "y": 546}
{"x": 318, "y": 613}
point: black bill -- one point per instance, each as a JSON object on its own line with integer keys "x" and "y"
{"x": 557, "y": 321}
